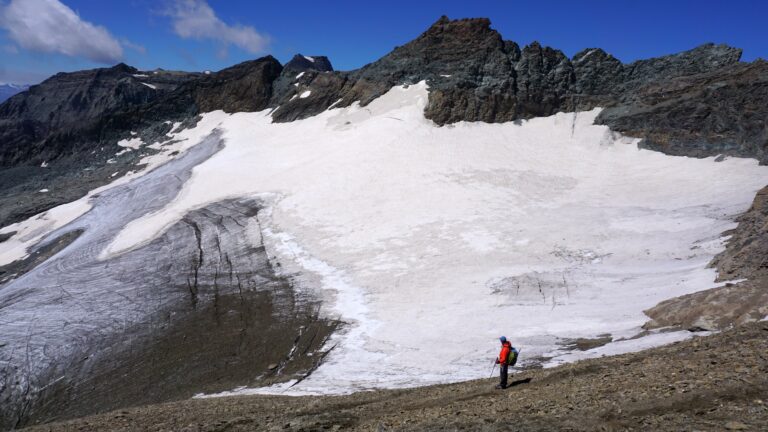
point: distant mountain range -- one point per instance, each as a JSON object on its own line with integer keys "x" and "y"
{"x": 8, "y": 90}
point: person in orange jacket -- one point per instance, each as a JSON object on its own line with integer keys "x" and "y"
{"x": 506, "y": 346}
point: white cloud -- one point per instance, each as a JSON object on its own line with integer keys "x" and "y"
{"x": 194, "y": 19}
{"x": 49, "y": 26}
{"x": 130, "y": 45}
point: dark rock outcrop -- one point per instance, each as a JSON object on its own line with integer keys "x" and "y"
{"x": 66, "y": 101}
{"x": 719, "y": 112}
{"x": 243, "y": 87}
{"x": 293, "y": 81}
{"x": 746, "y": 253}
{"x": 300, "y": 63}
{"x": 77, "y": 111}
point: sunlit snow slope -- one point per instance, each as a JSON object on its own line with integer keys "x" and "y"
{"x": 432, "y": 241}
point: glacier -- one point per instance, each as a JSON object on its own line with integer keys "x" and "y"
{"x": 430, "y": 242}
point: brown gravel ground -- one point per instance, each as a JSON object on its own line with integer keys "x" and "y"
{"x": 717, "y": 382}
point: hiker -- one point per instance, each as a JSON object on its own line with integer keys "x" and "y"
{"x": 504, "y": 360}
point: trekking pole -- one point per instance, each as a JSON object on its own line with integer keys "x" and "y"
{"x": 493, "y": 369}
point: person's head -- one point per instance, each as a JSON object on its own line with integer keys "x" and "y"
{"x": 503, "y": 339}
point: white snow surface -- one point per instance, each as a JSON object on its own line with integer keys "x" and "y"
{"x": 153, "y": 87}
{"x": 433, "y": 241}
{"x": 624, "y": 346}
{"x": 305, "y": 94}
{"x": 300, "y": 75}
{"x": 30, "y": 231}
{"x": 312, "y": 59}
{"x": 589, "y": 53}
{"x": 130, "y": 143}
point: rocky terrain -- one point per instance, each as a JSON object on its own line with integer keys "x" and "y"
{"x": 717, "y": 112}
{"x": 710, "y": 383}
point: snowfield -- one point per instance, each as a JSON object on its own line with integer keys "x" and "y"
{"x": 433, "y": 241}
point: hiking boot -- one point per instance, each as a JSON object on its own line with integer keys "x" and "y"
{"x": 499, "y": 387}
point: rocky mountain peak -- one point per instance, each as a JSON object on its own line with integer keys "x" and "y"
{"x": 468, "y": 28}
{"x": 450, "y": 40}
{"x": 300, "y": 63}
{"x": 246, "y": 86}
{"x": 123, "y": 68}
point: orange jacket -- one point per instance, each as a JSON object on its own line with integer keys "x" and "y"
{"x": 506, "y": 347}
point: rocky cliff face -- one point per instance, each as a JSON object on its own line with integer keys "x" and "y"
{"x": 44, "y": 122}
{"x": 706, "y": 114}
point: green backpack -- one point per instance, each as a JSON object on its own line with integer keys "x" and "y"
{"x": 512, "y": 356}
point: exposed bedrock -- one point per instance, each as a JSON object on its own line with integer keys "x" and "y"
{"x": 62, "y": 114}
{"x": 745, "y": 257}
{"x": 719, "y": 112}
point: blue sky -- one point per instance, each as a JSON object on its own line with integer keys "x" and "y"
{"x": 39, "y": 37}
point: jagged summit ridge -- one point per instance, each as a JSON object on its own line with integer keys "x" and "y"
{"x": 475, "y": 75}
{"x": 300, "y": 63}
{"x": 472, "y": 72}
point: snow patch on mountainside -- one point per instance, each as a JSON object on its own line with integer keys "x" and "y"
{"x": 433, "y": 241}
{"x": 30, "y": 231}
